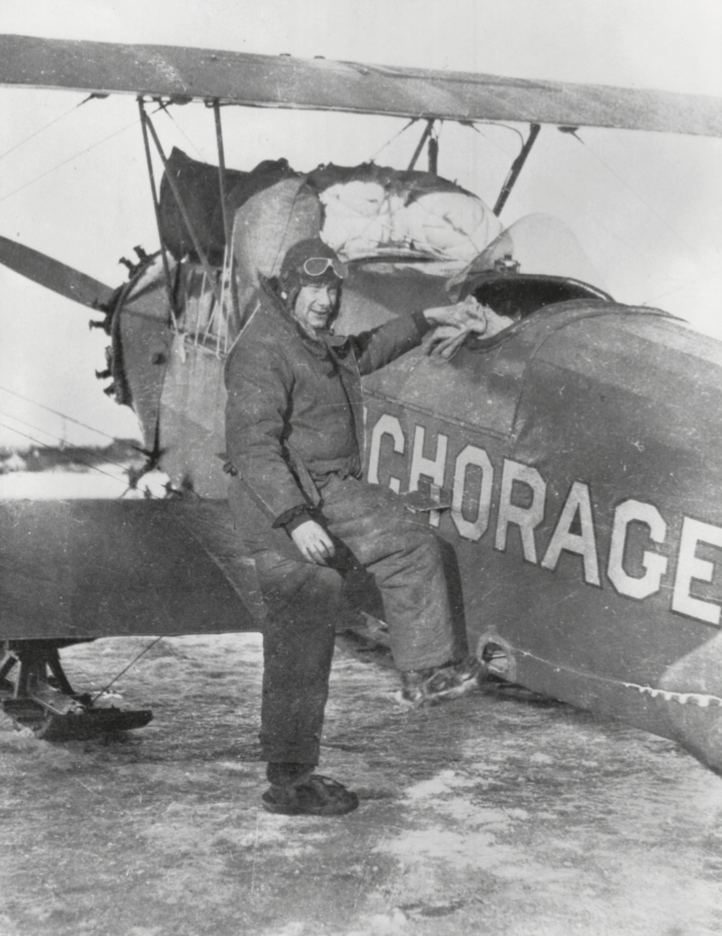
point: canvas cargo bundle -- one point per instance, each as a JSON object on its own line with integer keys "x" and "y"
{"x": 364, "y": 211}
{"x": 371, "y": 210}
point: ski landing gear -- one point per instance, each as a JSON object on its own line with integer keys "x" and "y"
{"x": 41, "y": 697}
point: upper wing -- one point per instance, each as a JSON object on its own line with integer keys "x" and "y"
{"x": 322, "y": 84}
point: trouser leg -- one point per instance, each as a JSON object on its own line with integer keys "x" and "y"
{"x": 304, "y": 602}
{"x": 400, "y": 551}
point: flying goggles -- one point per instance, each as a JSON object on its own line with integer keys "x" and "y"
{"x": 317, "y": 266}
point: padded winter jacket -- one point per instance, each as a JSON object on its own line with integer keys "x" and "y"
{"x": 294, "y": 412}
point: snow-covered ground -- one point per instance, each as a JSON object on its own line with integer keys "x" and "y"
{"x": 101, "y": 481}
{"x": 496, "y": 813}
{"x": 490, "y": 814}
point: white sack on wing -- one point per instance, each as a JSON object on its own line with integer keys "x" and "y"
{"x": 357, "y": 218}
{"x": 361, "y": 218}
{"x": 450, "y": 225}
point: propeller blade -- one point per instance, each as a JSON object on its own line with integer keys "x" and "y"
{"x": 62, "y": 279}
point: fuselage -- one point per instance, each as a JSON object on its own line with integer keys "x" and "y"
{"x": 573, "y": 458}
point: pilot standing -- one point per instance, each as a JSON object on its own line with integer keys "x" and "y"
{"x": 293, "y": 423}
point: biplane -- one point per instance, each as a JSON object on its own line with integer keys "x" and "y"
{"x": 570, "y": 463}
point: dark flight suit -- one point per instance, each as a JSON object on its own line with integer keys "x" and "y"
{"x": 294, "y": 425}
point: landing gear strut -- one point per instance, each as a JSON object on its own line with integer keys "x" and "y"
{"x": 42, "y": 698}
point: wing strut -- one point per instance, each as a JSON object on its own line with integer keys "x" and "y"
{"x": 228, "y": 272}
{"x": 424, "y": 137}
{"x": 516, "y": 168}
{"x": 156, "y": 207}
{"x": 434, "y": 154}
{"x": 207, "y": 268}
{"x": 221, "y": 169}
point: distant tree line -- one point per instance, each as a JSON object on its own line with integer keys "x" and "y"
{"x": 45, "y": 458}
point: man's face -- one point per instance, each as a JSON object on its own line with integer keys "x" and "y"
{"x": 314, "y": 307}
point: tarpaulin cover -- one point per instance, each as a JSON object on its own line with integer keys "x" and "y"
{"x": 266, "y": 226}
{"x": 199, "y": 187}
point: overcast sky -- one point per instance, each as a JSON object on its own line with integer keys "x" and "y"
{"x": 646, "y": 207}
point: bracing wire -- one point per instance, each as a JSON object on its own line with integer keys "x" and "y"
{"x": 394, "y": 137}
{"x": 673, "y": 231}
{"x": 70, "y": 159}
{"x": 491, "y": 123}
{"x": 70, "y": 449}
{"x": 615, "y": 235}
{"x": 686, "y": 284}
{"x": 66, "y": 454}
{"x": 56, "y": 413}
{"x": 125, "y": 670}
{"x": 41, "y": 130}
{"x": 180, "y": 130}
{"x": 71, "y": 455}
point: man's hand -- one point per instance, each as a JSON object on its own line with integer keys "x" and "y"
{"x": 453, "y": 324}
{"x": 313, "y": 542}
{"x": 469, "y": 315}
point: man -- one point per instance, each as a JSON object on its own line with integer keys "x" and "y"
{"x": 293, "y": 424}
